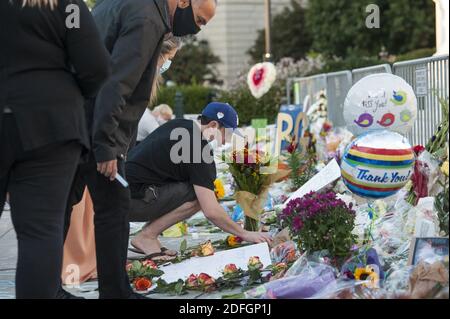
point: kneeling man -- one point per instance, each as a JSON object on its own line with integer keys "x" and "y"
{"x": 171, "y": 175}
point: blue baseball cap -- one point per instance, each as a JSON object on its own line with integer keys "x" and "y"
{"x": 223, "y": 113}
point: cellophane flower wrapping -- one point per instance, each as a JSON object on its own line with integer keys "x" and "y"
{"x": 303, "y": 280}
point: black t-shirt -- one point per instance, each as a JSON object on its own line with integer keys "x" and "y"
{"x": 174, "y": 152}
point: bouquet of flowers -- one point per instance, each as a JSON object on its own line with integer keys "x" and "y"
{"x": 253, "y": 174}
{"x": 424, "y": 175}
{"x": 321, "y": 222}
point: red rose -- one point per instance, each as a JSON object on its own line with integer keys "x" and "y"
{"x": 205, "y": 279}
{"x": 230, "y": 269}
{"x": 192, "y": 281}
{"x": 142, "y": 284}
{"x": 292, "y": 147}
{"x": 327, "y": 126}
{"x": 418, "y": 149}
{"x": 254, "y": 263}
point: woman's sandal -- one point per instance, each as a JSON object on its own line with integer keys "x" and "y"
{"x": 153, "y": 257}
{"x": 163, "y": 250}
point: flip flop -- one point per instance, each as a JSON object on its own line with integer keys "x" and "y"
{"x": 160, "y": 254}
{"x": 165, "y": 249}
{"x": 153, "y": 256}
{"x": 138, "y": 251}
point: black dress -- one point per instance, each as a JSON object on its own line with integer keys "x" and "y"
{"x": 47, "y": 70}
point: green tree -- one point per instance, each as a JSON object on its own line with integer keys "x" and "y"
{"x": 410, "y": 25}
{"x": 290, "y": 37}
{"x": 194, "y": 63}
{"x": 339, "y": 29}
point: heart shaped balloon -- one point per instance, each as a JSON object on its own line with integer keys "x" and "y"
{"x": 260, "y": 78}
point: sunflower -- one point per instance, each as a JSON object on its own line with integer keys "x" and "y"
{"x": 219, "y": 190}
{"x": 367, "y": 274}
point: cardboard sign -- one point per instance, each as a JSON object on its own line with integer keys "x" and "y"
{"x": 290, "y": 121}
{"x": 327, "y": 175}
{"x": 213, "y": 265}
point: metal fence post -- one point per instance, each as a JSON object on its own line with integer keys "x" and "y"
{"x": 338, "y": 85}
{"x": 358, "y": 74}
{"x": 179, "y": 105}
{"x": 429, "y": 79}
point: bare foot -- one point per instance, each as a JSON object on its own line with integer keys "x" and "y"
{"x": 169, "y": 252}
{"x": 150, "y": 246}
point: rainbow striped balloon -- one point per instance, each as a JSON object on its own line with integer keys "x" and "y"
{"x": 377, "y": 164}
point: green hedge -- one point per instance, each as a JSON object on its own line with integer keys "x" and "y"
{"x": 196, "y": 97}
{"x": 416, "y": 54}
{"x": 249, "y": 108}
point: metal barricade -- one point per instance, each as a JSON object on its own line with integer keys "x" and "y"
{"x": 308, "y": 87}
{"x": 358, "y": 74}
{"x": 427, "y": 76}
{"x": 338, "y": 85}
{"x": 429, "y": 79}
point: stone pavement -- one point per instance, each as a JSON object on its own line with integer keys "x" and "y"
{"x": 8, "y": 256}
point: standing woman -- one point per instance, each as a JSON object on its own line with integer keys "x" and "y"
{"x": 51, "y": 59}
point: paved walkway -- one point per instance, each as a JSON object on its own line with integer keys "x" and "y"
{"x": 8, "y": 256}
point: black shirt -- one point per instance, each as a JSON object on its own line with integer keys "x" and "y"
{"x": 174, "y": 152}
{"x": 47, "y": 69}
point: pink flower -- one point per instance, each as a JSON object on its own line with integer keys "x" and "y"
{"x": 129, "y": 266}
{"x": 205, "y": 279}
{"x": 149, "y": 264}
{"x": 192, "y": 281}
{"x": 254, "y": 263}
{"x": 230, "y": 269}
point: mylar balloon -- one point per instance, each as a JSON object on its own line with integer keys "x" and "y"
{"x": 380, "y": 101}
{"x": 377, "y": 164}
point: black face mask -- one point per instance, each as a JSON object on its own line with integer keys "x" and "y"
{"x": 184, "y": 22}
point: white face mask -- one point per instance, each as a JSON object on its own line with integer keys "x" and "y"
{"x": 214, "y": 144}
{"x": 165, "y": 66}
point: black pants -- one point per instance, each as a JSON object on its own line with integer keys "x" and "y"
{"x": 160, "y": 200}
{"x": 111, "y": 206}
{"x": 38, "y": 182}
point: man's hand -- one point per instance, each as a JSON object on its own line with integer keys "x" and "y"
{"x": 257, "y": 237}
{"x": 109, "y": 169}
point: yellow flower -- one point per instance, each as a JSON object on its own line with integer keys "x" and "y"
{"x": 233, "y": 241}
{"x": 368, "y": 273}
{"x": 219, "y": 190}
{"x": 207, "y": 249}
{"x": 444, "y": 168}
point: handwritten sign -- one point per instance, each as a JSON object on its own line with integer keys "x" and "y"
{"x": 375, "y": 101}
{"x": 326, "y": 176}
